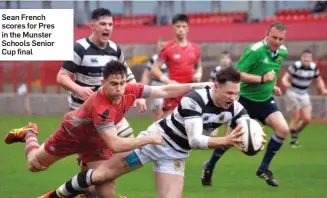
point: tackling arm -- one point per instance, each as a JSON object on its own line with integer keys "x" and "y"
{"x": 175, "y": 90}
{"x": 118, "y": 145}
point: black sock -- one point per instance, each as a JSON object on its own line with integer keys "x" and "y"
{"x": 294, "y": 135}
{"x": 77, "y": 185}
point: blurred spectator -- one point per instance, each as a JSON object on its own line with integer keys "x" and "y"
{"x": 320, "y": 6}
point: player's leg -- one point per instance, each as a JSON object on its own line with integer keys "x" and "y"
{"x": 209, "y": 166}
{"x": 294, "y": 122}
{"x": 106, "y": 189}
{"x": 38, "y": 159}
{"x": 123, "y": 130}
{"x": 117, "y": 165}
{"x": 293, "y": 105}
{"x": 306, "y": 116}
{"x": 169, "y": 177}
{"x": 275, "y": 119}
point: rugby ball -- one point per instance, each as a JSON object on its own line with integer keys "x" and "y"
{"x": 252, "y": 137}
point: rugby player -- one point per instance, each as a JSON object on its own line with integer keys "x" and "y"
{"x": 183, "y": 59}
{"x": 156, "y": 104}
{"x": 297, "y": 80}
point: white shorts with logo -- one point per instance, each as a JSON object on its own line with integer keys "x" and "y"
{"x": 165, "y": 159}
{"x": 295, "y": 101}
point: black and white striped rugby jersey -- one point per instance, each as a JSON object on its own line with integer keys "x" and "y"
{"x": 302, "y": 76}
{"x": 198, "y": 103}
{"x": 164, "y": 70}
{"x": 87, "y": 65}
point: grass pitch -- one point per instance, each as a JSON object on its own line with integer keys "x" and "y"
{"x": 300, "y": 172}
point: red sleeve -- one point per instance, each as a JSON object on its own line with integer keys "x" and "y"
{"x": 163, "y": 55}
{"x": 135, "y": 88}
{"x": 198, "y": 54}
{"x": 103, "y": 116}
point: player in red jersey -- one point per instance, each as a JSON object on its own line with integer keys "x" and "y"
{"x": 90, "y": 130}
{"x": 183, "y": 59}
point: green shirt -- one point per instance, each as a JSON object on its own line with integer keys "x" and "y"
{"x": 257, "y": 59}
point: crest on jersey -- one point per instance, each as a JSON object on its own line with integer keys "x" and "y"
{"x": 104, "y": 115}
{"x": 279, "y": 61}
{"x": 177, "y": 56}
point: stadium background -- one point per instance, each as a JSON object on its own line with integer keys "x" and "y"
{"x": 216, "y": 26}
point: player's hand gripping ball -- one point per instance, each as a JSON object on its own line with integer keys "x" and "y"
{"x": 253, "y": 138}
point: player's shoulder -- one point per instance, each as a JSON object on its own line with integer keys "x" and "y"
{"x": 200, "y": 96}
{"x": 130, "y": 87}
{"x": 194, "y": 45}
{"x": 297, "y": 64}
{"x": 256, "y": 46}
{"x": 81, "y": 45}
{"x": 113, "y": 45}
{"x": 313, "y": 66}
{"x": 154, "y": 58}
{"x": 237, "y": 107}
{"x": 168, "y": 46}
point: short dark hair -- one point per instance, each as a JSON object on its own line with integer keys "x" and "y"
{"x": 228, "y": 74}
{"x": 306, "y": 51}
{"x": 99, "y": 12}
{"x": 278, "y": 25}
{"x": 114, "y": 68}
{"x": 180, "y": 18}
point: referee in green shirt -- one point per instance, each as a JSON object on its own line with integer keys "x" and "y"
{"x": 260, "y": 65}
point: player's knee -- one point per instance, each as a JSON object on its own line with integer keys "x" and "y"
{"x": 283, "y": 131}
{"x": 306, "y": 119}
{"x": 35, "y": 166}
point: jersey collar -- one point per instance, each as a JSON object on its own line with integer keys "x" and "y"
{"x": 273, "y": 54}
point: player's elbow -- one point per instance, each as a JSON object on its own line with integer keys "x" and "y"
{"x": 60, "y": 77}
{"x": 194, "y": 143}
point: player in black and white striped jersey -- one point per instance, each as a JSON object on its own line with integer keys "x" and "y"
{"x": 155, "y": 104}
{"x": 297, "y": 80}
{"x": 90, "y": 56}
{"x": 198, "y": 111}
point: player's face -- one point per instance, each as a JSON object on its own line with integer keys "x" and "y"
{"x": 306, "y": 59}
{"x": 181, "y": 29}
{"x": 226, "y": 94}
{"x": 275, "y": 38}
{"x": 102, "y": 28}
{"x": 115, "y": 86}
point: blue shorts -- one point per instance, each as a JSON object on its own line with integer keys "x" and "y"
{"x": 259, "y": 110}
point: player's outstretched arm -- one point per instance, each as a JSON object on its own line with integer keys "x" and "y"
{"x": 175, "y": 90}
{"x": 197, "y": 140}
{"x": 118, "y": 145}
